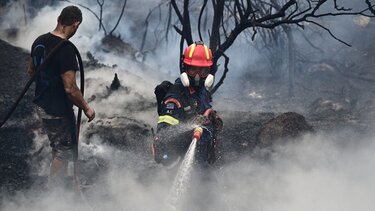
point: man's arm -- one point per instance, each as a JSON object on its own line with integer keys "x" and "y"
{"x": 75, "y": 95}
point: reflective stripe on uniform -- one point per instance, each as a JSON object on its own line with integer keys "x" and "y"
{"x": 168, "y": 119}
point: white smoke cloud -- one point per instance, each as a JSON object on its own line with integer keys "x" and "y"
{"x": 314, "y": 174}
{"x": 317, "y": 172}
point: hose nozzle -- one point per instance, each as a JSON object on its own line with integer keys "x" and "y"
{"x": 197, "y": 133}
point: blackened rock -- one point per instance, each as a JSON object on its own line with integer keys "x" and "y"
{"x": 115, "y": 83}
{"x": 239, "y": 134}
{"x": 286, "y": 125}
{"x": 122, "y": 132}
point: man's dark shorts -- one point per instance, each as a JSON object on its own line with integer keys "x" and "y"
{"x": 61, "y": 134}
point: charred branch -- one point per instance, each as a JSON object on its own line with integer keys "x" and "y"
{"x": 370, "y": 7}
{"x": 177, "y": 11}
{"x": 168, "y": 21}
{"x": 145, "y": 26}
{"x": 157, "y": 33}
{"x": 184, "y": 20}
{"x": 329, "y": 31}
{"x": 215, "y": 29}
{"x": 119, "y": 18}
{"x": 200, "y": 19}
{"x": 101, "y": 4}
{"x": 221, "y": 81}
{"x": 186, "y": 24}
{"x": 179, "y": 31}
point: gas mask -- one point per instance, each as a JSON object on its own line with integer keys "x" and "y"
{"x": 197, "y": 76}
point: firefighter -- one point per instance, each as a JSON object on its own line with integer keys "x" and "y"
{"x": 184, "y": 107}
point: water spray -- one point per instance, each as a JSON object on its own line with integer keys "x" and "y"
{"x": 183, "y": 175}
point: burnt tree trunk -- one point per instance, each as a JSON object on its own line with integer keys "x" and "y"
{"x": 291, "y": 60}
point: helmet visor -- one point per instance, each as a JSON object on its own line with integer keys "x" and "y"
{"x": 201, "y": 71}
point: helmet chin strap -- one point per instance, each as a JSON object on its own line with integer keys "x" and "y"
{"x": 209, "y": 81}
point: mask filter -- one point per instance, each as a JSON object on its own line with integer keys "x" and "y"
{"x": 209, "y": 81}
{"x": 185, "y": 79}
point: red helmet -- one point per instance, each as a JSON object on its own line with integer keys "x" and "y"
{"x": 198, "y": 55}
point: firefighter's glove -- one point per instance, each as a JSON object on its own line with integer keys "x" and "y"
{"x": 216, "y": 121}
{"x": 201, "y": 120}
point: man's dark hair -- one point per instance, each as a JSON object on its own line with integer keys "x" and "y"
{"x": 70, "y": 15}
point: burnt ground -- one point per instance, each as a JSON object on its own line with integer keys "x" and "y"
{"x": 243, "y": 130}
{"x": 16, "y": 137}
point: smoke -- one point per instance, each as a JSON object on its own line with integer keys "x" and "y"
{"x": 316, "y": 172}
{"x": 319, "y": 172}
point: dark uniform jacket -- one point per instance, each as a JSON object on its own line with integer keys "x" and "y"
{"x": 183, "y": 109}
